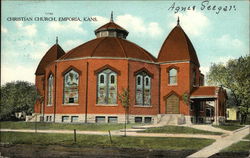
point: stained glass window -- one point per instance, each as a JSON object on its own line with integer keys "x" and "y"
{"x": 172, "y": 77}
{"x": 107, "y": 87}
{"x": 71, "y": 82}
{"x": 50, "y": 90}
{"x": 143, "y": 89}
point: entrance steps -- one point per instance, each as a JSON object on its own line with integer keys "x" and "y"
{"x": 163, "y": 120}
{"x": 171, "y": 119}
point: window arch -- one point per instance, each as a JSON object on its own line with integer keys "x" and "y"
{"x": 107, "y": 87}
{"x": 71, "y": 87}
{"x": 143, "y": 89}
{"x": 50, "y": 90}
{"x": 172, "y": 76}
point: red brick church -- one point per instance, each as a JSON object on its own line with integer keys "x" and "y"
{"x": 83, "y": 84}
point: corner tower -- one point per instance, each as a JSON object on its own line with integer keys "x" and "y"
{"x": 179, "y": 68}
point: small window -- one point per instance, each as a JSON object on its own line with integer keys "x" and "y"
{"x": 65, "y": 118}
{"x": 71, "y": 100}
{"x": 172, "y": 77}
{"x": 148, "y": 119}
{"x": 112, "y": 119}
{"x": 102, "y": 79}
{"x": 138, "y": 119}
{"x": 100, "y": 119}
{"x": 147, "y": 81}
{"x": 112, "y": 79}
{"x": 139, "y": 80}
{"x": 74, "y": 118}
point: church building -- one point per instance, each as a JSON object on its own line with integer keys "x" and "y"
{"x": 83, "y": 84}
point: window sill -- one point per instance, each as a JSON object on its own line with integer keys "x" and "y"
{"x": 70, "y": 104}
{"x": 172, "y": 84}
{"x": 143, "y": 106}
{"x": 49, "y": 105}
{"x": 106, "y": 105}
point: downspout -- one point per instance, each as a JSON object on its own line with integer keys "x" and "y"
{"x": 159, "y": 91}
{"x": 55, "y": 93}
{"x": 128, "y": 93}
{"x": 86, "y": 97}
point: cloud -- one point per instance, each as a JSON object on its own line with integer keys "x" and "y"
{"x": 29, "y": 30}
{"x": 193, "y": 22}
{"x": 223, "y": 59}
{"x": 226, "y": 41}
{"x": 204, "y": 69}
{"x": 14, "y": 73}
{"x": 136, "y": 25}
{"x": 100, "y": 21}
{"x": 66, "y": 26}
{"x": 69, "y": 44}
{"x": 4, "y": 30}
{"x": 133, "y": 24}
{"x": 37, "y": 49}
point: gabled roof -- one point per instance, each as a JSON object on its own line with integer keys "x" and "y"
{"x": 54, "y": 53}
{"x": 178, "y": 47}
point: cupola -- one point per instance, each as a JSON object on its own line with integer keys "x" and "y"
{"x": 111, "y": 29}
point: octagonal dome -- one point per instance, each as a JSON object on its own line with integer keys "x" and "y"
{"x": 112, "y": 47}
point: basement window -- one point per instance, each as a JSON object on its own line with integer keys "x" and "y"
{"x": 65, "y": 118}
{"x": 138, "y": 119}
{"x": 74, "y": 118}
{"x": 147, "y": 119}
{"x": 112, "y": 119}
{"x": 100, "y": 119}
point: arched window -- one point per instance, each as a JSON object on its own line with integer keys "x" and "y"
{"x": 107, "y": 87}
{"x": 71, "y": 86}
{"x": 143, "y": 89}
{"x": 50, "y": 90}
{"x": 172, "y": 77}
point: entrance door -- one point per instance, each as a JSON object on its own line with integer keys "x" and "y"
{"x": 172, "y": 104}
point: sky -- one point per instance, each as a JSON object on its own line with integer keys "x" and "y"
{"x": 219, "y": 30}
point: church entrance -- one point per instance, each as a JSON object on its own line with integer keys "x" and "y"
{"x": 172, "y": 104}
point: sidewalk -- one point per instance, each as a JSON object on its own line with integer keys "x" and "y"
{"x": 222, "y": 143}
{"x": 115, "y": 133}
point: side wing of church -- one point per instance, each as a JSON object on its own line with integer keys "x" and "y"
{"x": 83, "y": 84}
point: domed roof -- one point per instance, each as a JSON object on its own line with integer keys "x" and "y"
{"x": 178, "y": 47}
{"x": 109, "y": 47}
{"x": 54, "y": 53}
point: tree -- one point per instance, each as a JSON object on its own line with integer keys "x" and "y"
{"x": 19, "y": 96}
{"x": 124, "y": 99}
{"x": 235, "y": 76}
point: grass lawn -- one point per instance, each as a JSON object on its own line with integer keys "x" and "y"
{"x": 179, "y": 129}
{"x": 63, "y": 126}
{"x": 104, "y": 141}
{"x": 229, "y": 127}
{"x": 238, "y": 147}
{"x": 247, "y": 137}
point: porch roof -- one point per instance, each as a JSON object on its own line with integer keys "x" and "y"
{"x": 205, "y": 92}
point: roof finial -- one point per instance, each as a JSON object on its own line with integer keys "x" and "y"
{"x": 56, "y": 40}
{"x": 178, "y": 21}
{"x": 111, "y": 18}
